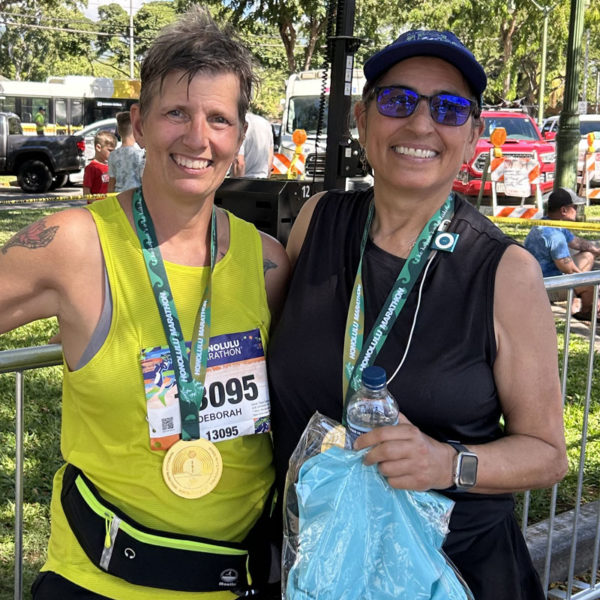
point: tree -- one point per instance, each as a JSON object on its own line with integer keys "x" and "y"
{"x": 114, "y": 49}
{"x": 148, "y": 21}
{"x": 292, "y": 20}
{"x": 37, "y": 38}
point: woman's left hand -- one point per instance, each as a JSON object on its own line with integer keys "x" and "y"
{"x": 407, "y": 457}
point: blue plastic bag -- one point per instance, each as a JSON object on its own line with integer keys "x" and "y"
{"x": 350, "y": 536}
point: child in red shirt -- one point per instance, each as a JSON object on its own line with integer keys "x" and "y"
{"x": 95, "y": 175}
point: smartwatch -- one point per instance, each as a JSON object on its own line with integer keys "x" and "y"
{"x": 464, "y": 474}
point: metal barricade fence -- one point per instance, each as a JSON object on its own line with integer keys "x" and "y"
{"x": 579, "y": 530}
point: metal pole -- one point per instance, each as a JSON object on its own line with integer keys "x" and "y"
{"x": 340, "y": 96}
{"x": 19, "y": 486}
{"x": 546, "y": 12}
{"x": 567, "y": 139}
{"x": 586, "y": 57}
{"x": 131, "y": 74}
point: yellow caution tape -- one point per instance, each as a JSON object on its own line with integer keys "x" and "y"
{"x": 57, "y": 199}
{"x": 578, "y": 225}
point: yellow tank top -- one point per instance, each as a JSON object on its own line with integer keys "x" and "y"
{"x": 104, "y": 427}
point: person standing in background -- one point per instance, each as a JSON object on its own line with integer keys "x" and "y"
{"x": 95, "y": 175}
{"x": 40, "y": 120}
{"x": 255, "y": 158}
{"x": 126, "y": 163}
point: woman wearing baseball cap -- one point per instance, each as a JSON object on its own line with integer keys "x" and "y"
{"x": 412, "y": 278}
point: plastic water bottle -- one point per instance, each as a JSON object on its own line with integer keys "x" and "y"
{"x": 371, "y": 405}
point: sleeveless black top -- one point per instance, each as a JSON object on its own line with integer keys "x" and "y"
{"x": 446, "y": 385}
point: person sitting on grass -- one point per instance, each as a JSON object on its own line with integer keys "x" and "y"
{"x": 559, "y": 251}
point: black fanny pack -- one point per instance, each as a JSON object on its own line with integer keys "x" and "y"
{"x": 118, "y": 545}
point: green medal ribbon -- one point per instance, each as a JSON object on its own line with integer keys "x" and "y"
{"x": 359, "y": 355}
{"x": 189, "y": 371}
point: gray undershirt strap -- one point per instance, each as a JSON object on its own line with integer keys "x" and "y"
{"x": 102, "y": 329}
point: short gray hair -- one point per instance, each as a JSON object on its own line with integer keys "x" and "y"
{"x": 196, "y": 44}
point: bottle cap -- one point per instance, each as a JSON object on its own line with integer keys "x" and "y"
{"x": 374, "y": 377}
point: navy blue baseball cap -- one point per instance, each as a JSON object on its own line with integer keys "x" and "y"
{"x": 440, "y": 44}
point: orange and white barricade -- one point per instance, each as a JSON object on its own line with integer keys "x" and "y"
{"x": 496, "y": 167}
{"x": 282, "y": 164}
{"x": 591, "y": 170}
{"x": 516, "y": 176}
{"x": 283, "y": 167}
{"x": 525, "y": 211}
{"x": 513, "y": 176}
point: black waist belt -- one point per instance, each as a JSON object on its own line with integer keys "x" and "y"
{"x": 118, "y": 545}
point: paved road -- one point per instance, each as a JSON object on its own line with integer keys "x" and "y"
{"x": 13, "y": 197}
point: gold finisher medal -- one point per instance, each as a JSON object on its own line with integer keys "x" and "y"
{"x": 192, "y": 469}
{"x": 334, "y": 437}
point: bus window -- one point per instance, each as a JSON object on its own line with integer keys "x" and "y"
{"x": 8, "y": 105}
{"x": 60, "y": 113}
{"x": 76, "y": 114}
{"x": 97, "y": 109}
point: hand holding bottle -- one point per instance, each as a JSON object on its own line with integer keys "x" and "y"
{"x": 407, "y": 457}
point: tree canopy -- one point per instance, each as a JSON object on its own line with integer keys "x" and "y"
{"x": 40, "y": 38}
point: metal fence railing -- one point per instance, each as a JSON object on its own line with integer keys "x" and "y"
{"x": 564, "y": 546}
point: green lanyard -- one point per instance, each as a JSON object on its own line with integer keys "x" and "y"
{"x": 358, "y": 356}
{"x": 189, "y": 372}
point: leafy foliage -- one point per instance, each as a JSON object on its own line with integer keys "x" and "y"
{"x": 31, "y": 51}
{"x": 289, "y": 36}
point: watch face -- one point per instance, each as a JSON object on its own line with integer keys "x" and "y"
{"x": 467, "y": 470}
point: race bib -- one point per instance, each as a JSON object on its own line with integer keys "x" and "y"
{"x": 236, "y": 394}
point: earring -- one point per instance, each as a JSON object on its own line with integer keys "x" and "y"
{"x": 364, "y": 161}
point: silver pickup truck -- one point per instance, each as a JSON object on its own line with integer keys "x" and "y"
{"x": 41, "y": 163}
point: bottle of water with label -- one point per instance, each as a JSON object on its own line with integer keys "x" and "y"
{"x": 371, "y": 405}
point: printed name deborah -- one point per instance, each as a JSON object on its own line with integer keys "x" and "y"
{"x": 222, "y": 414}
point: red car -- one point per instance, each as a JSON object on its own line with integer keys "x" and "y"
{"x": 522, "y": 138}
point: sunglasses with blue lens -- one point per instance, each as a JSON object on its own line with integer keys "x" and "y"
{"x": 398, "y": 102}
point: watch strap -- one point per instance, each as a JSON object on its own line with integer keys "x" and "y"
{"x": 457, "y": 446}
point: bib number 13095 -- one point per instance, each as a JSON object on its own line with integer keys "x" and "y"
{"x": 222, "y": 433}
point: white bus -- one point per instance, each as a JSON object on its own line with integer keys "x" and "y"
{"x": 70, "y": 102}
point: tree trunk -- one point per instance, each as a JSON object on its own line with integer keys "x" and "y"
{"x": 508, "y": 30}
{"x": 315, "y": 29}
{"x": 288, "y": 36}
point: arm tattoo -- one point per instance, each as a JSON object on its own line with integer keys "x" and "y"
{"x": 566, "y": 260}
{"x": 583, "y": 245}
{"x": 36, "y": 235}
{"x": 268, "y": 264}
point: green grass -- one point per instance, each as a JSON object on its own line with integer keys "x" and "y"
{"x": 41, "y": 438}
{"x": 42, "y": 430}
